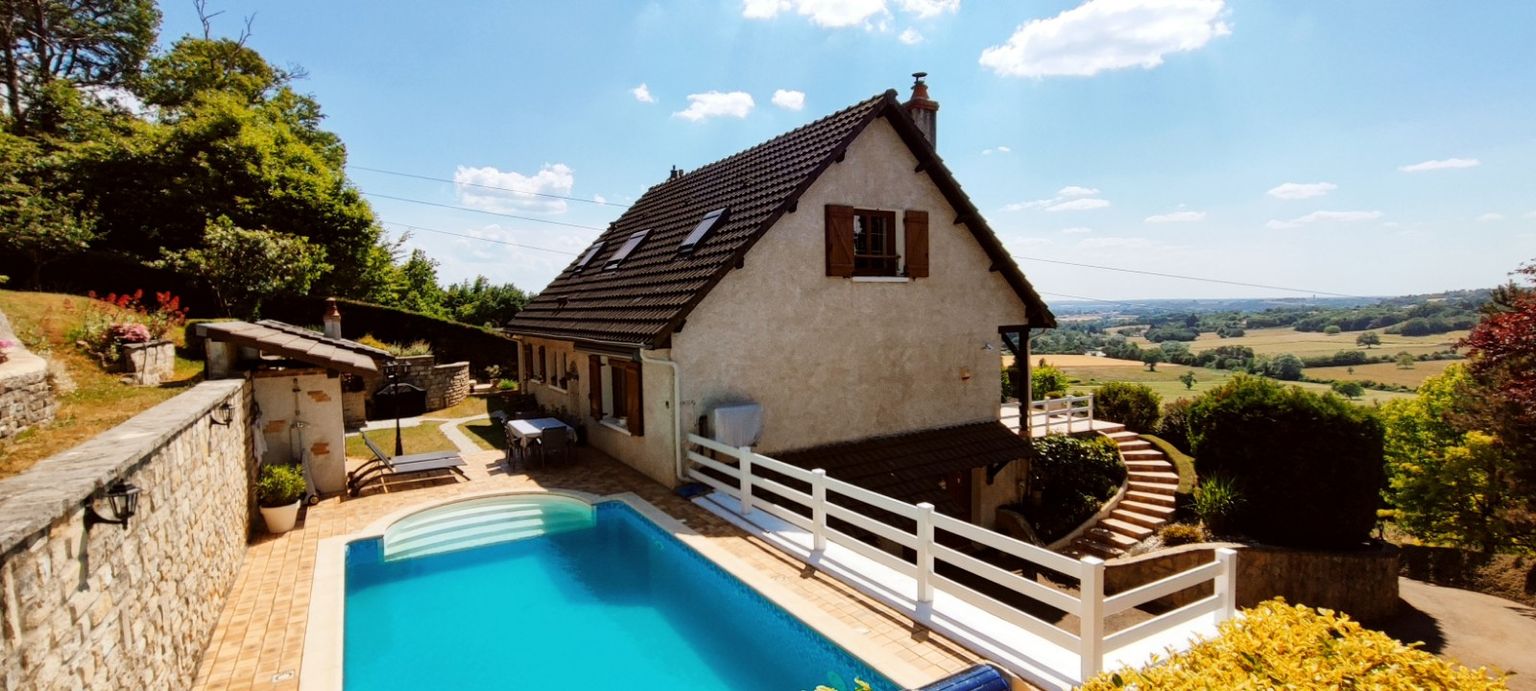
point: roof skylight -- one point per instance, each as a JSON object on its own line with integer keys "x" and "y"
{"x": 587, "y": 256}
{"x": 706, "y": 224}
{"x": 625, "y": 249}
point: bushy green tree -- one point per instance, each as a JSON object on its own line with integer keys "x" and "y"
{"x": 1134, "y": 405}
{"x": 1150, "y": 358}
{"x": 1047, "y": 381}
{"x": 38, "y": 220}
{"x": 483, "y": 303}
{"x": 1348, "y": 389}
{"x": 244, "y": 266}
{"x": 1285, "y": 367}
{"x": 1368, "y": 339}
{"x": 1449, "y": 485}
{"x": 1073, "y": 478}
{"x": 86, "y": 43}
{"x": 1310, "y": 467}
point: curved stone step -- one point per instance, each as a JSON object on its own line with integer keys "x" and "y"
{"x": 1155, "y": 476}
{"x": 1110, "y": 537}
{"x": 1149, "y": 521}
{"x": 1134, "y": 445}
{"x": 1131, "y": 530}
{"x": 1083, "y": 546}
{"x": 1143, "y": 454}
{"x": 1164, "y": 499}
{"x": 1154, "y": 487}
{"x": 1160, "y": 511}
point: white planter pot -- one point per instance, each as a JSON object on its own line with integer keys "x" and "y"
{"x": 280, "y": 519}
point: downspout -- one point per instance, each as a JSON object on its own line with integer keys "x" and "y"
{"x": 677, "y": 412}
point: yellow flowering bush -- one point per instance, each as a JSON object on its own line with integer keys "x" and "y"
{"x": 1276, "y": 645}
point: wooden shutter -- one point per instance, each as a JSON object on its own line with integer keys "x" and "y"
{"x": 595, "y": 386}
{"x": 526, "y": 371}
{"x": 543, "y": 366}
{"x": 916, "y": 227}
{"x": 839, "y": 240}
{"x": 634, "y": 403}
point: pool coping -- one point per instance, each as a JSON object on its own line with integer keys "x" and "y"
{"x": 322, "y": 665}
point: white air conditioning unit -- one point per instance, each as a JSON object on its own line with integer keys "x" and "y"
{"x": 739, "y": 424}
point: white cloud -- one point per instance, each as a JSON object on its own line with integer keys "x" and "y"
{"x": 1301, "y": 190}
{"x": 642, "y": 93}
{"x": 1324, "y": 217}
{"x": 1177, "y": 217}
{"x": 996, "y": 150}
{"x": 1529, "y": 214}
{"x": 1101, "y": 35}
{"x": 910, "y": 36}
{"x": 825, "y": 13}
{"x": 714, "y": 104}
{"x": 789, "y": 100}
{"x": 1081, "y": 204}
{"x": 1075, "y": 191}
{"x": 1036, "y": 204}
{"x": 599, "y": 199}
{"x": 1441, "y": 164}
{"x": 1113, "y": 243}
{"x": 1490, "y": 217}
{"x": 490, "y": 189}
{"x": 925, "y": 9}
{"x": 1076, "y": 230}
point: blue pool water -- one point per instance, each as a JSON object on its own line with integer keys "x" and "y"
{"x": 619, "y": 604}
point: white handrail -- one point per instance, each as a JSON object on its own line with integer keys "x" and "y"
{"x": 751, "y": 490}
{"x": 1065, "y": 412}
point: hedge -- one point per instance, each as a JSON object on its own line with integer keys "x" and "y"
{"x": 1276, "y": 645}
{"x": 1134, "y": 405}
{"x": 451, "y": 341}
{"x": 1310, "y": 468}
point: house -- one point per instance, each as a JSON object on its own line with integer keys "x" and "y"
{"x": 835, "y": 276}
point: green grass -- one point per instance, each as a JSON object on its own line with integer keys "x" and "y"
{"x": 1384, "y": 372}
{"x": 43, "y": 322}
{"x": 419, "y": 439}
{"x": 1183, "y": 462}
{"x": 469, "y": 407}
{"x": 1165, "y": 381}
{"x": 485, "y": 434}
{"x": 1302, "y": 343}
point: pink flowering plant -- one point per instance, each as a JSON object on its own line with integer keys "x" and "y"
{"x": 115, "y": 320}
{"x": 6, "y": 344}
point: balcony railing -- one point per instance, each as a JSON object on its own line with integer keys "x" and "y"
{"x": 797, "y": 520}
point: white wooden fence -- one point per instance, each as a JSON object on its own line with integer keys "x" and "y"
{"x": 1065, "y": 415}
{"x": 745, "y": 484}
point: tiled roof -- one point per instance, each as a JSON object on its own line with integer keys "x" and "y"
{"x": 910, "y": 466}
{"x": 298, "y": 343}
{"x": 647, "y": 296}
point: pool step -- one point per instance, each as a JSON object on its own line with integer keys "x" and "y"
{"x": 481, "y": 522}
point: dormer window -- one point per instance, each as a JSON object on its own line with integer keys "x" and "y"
{"x": 586, "y": 258}
{"x": 625, "y": 249}
{"x": 702, "y": 230}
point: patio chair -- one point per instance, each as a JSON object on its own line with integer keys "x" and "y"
{"x": 555, "y": 441}
{"x": 383, "y": 465}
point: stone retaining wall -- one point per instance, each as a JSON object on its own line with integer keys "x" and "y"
{"x": 130, "y": 608}
{"x": 26, "y": 399}
{"x": 1361, "y": 583}
{"x": 446, "y": 385}
{"x": 148, "y": 364}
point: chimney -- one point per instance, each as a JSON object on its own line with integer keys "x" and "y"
{"x": 332, "y": 319}
{"x": 675, "y": 174}
{"x": 923, "y": 110}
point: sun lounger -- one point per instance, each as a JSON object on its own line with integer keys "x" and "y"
{"x": 383, "y": 465}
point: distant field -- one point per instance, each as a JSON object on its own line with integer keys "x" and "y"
{"x": 1385, "y": 372}
{"x": 1091, "y": 372}
{"x": 1301, "y": 343}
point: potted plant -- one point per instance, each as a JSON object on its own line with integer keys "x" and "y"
{"x": 279, "y": 492}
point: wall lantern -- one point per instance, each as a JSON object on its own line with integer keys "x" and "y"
{"x": 123, "y": 498}
{"x": 224, "y": 414}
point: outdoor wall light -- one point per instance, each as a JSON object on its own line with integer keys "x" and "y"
{"x": 123, "y": 498}
{"x": 223, "y": 415}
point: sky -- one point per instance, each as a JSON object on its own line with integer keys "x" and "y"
{"x": 1360, "y": 148}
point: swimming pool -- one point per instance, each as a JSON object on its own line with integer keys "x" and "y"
{"x": 611, "y": 602}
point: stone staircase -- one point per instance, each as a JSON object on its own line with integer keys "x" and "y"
{"x": 1147, "y": 505}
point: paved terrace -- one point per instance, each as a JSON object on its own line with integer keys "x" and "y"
{"x": 259, "y": 640}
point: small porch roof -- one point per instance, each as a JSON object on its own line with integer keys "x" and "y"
{"x": 910, "y": 466}
{"x": 298, "y": 343}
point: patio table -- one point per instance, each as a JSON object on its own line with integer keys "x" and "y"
{"x": 525, "y": 431}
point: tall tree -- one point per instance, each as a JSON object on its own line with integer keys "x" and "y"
{"x": 90, "y": 43}
{"x": 245, "y": 266}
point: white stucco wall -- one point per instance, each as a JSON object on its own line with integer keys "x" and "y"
{"x": 319, "y": 406}
{"x": 834, "y": 359}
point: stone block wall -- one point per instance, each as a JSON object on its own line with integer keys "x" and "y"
{"x": 149, "y": 363}
{"x": 26, "y": 399}
{"x": 1360, "y": 583}
{"x": 114, "y": 608}
{"x": 446, "y": 385}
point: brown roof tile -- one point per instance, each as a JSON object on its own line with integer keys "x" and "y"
{"x": 648, "y": 295}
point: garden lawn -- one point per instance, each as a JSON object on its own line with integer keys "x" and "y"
{"x": 1090, "y": 372}
{"x": 45, "y": 323}
{"x": 419, "y": 439}
{"x": 486, "y": 434}
{"x": 1384, "y": 372}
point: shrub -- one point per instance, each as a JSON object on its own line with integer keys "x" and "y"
{"x": 1046, "y": 381}
{"x": 1216, "y": 503}
{"x": 279, "y": 485}
{"x": 1073, "y": 476}
{"x": 396, "y": 349}
{"x": 129, "y": 333}
{"x": 1174, "y": 424}
{"x": 1132, "y": 405}
{"x": 1349, "y": 389}
{"x": 1175, "y": 534}
{"x": 1309, "y": 467}
{"x": 1276, "y": 645}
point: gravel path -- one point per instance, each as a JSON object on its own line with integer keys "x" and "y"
{"x": 1474, "y": 629}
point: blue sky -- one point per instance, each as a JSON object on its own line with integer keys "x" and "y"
{"x": 1366, "y": 148}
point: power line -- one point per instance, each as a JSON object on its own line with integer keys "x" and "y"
{"x": 489, "y": 187}
{"x": 1114, "y": 302}
{"x": 472, "y": 237}
{"x": 1191, "y": 278}
{"x": 483, "y": 211}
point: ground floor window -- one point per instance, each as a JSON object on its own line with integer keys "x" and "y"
{"x": 616, "y": 396}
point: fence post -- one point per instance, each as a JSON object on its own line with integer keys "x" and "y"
{"x": 925, "y": 552}
{"x": 1090, "y": 412}
{"x": 744, "y": 454}
{"x": 819, "y": 510}
{"x": 1226, "y": 583}
{"x": 1091, "y": 626}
